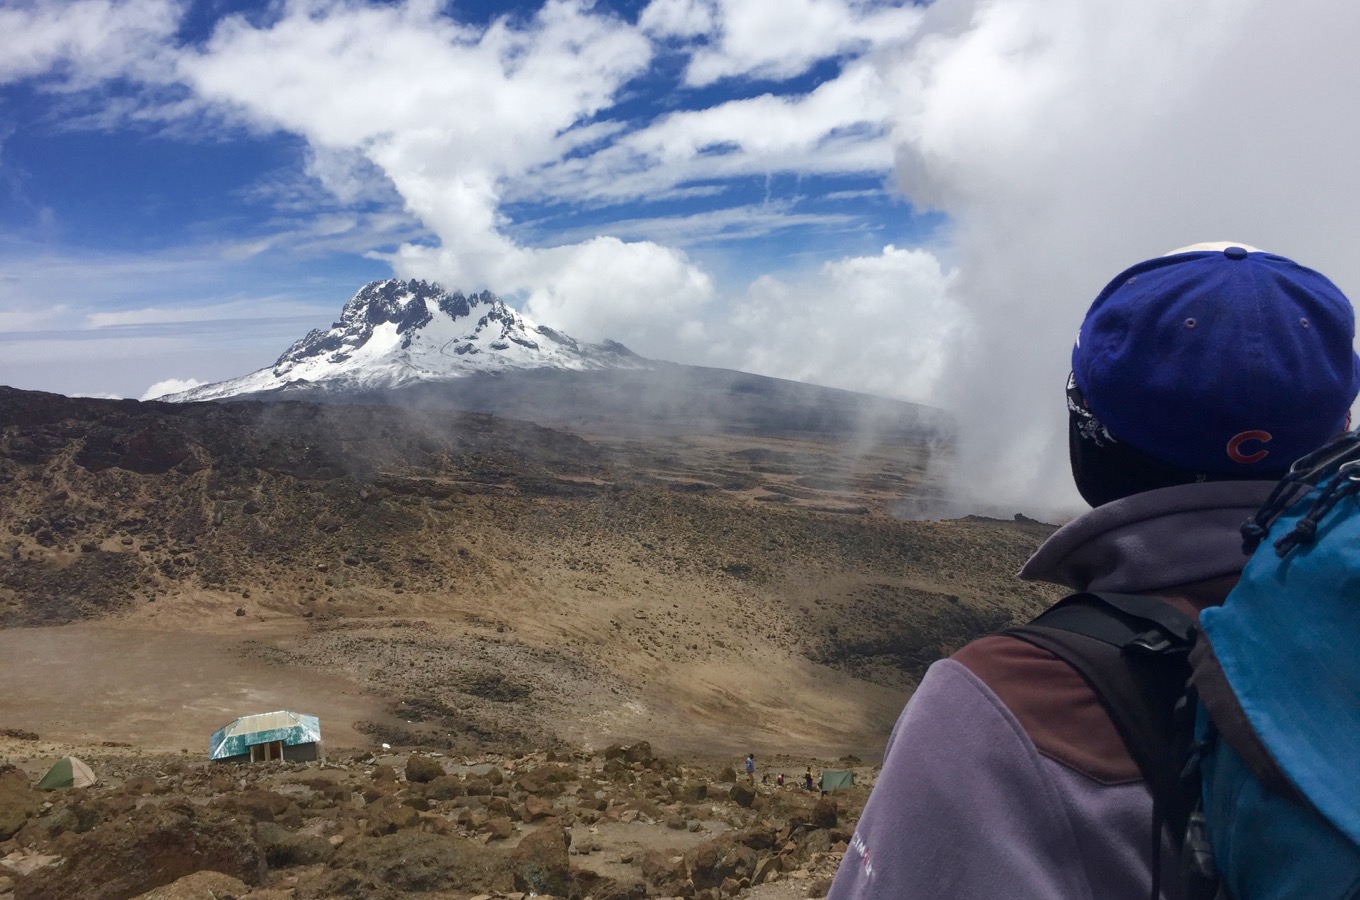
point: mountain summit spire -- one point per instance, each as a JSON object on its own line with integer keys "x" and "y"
{"x": 395, "y": 333}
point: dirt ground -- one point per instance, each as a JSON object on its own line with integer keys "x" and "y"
{"x": 163, "y": 691}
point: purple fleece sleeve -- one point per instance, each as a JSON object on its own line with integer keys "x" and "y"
{"x": 964, "y": 807}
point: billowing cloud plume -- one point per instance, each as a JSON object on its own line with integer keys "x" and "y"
{"x": 169, "y": 386}
{"x": 450, "y": 115}
{"x": 882, "y": 324}
{"x": 1067, "y": 140}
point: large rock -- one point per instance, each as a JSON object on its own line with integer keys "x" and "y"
{"x": 421, "y": 769}
{"x": 287, "y": 848}
{"x": 742, "y": 794}
{"x": 387, "y": 817}
{"x": 711, "y": 863}
{"x": 445, "y": 787}
{"x": 146, "y": 849}
{"x": 825, "y": 814}
{"x": 18, "y": 801}
{"x": 765, "y": 868}
{"x": 536, "y": 808}
{"x": 541, "y": 863}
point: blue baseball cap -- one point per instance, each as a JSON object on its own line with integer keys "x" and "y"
{"x": 1219, "y": 359}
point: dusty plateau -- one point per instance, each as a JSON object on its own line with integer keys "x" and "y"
{"x": 536, "y": 654}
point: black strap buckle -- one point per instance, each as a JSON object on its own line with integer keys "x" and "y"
{"x": 1155, "y": 643}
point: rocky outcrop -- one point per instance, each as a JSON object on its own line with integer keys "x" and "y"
{"x": 18, "y": 801}
{"x": 145, "y": 849}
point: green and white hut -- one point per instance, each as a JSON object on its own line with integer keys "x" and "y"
{"x": 280, "y": 735}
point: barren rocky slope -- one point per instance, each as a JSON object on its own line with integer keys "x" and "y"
{"x": 469, "y": 585}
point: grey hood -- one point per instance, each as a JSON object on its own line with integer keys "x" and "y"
{"x": 1152, "y": 541}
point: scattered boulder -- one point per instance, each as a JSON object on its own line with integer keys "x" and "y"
{"x": 663, "y": 871}
{"x": 388, "y": 818}
{"x": 742, "y": 794}
{"x": 536, "y": 808}
{"x": 444, "y": 787}
{"x": 541, "y": 863}
{"x": 691, "y": 791}
{"x": 637, "y": 752}
{"x": 287, "y": 848}
{"x": 354, "y": 827}
{"x": 422, "y": 769}
{"x": 765, "y": 868}
{"x": 825, "y": 814}
{"x": 713, "y": 862}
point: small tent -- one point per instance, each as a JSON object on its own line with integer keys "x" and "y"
{"x": 281, "y": 735}
{"x": 836, "y": 779}
{"x": 67, "y": 772}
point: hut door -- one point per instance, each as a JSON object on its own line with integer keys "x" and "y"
{"x": 266, "y": 752}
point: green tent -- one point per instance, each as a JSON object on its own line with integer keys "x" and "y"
{"x": 67, "y": 772}
{"x": 834, "y": 780}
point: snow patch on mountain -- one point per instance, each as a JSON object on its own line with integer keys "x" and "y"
{"x": 395, "y": 333}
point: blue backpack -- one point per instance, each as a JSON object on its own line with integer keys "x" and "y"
{"x": 1247, "y": 726}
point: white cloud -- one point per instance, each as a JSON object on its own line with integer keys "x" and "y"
{"x": 88, "y": 40}
{"x": 246, "y": 309}
{"x": 679, "y": 18}
{"x": 449, "y": 114}
{"x": 775, "y": 40}
{"x": 723, "y": 224}
{"x": 30, "y": 319}
{"x": 414, "y": 90}
{"x": 348, "y": 175}
{"x": 640, "y": 293}
{"x": 1067, "y": 140}
{"x": 883, "y": 324}
{"x": 170, "y": 386}
{"x": 836, "y": 129}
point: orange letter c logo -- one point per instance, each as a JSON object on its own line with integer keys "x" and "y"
{"x": 1235, "y": 447}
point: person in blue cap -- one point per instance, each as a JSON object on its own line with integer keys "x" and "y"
{"x": 1197, "y": 379}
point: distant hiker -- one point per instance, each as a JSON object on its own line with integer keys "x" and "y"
{"x": 807, "y": 778}
{"x": 1197, "y": 379}
{"x": 751, "y": 767}
{"x": 779, "y": 780}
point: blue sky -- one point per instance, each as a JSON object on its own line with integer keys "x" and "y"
{"x": 916, "y": 200}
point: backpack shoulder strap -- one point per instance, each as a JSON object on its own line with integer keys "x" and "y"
{"x": 1133, "y": 652}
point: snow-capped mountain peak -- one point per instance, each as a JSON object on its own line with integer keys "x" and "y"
{"x": 395, "y": 333}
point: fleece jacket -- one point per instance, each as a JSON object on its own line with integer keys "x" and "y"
{"x": 1004, "y": 776}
